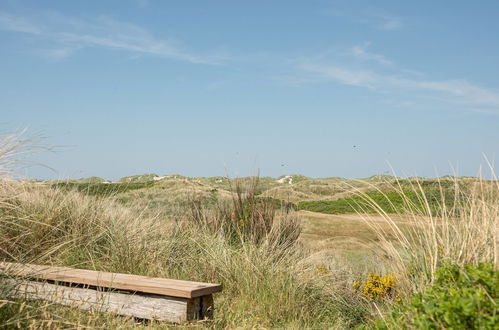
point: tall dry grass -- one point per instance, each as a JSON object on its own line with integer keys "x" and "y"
{"x": 14, "y": 147}
{"x": 244, "y": 217}
{"x": 10, "y": 146}
{"x": 460, "y": 227}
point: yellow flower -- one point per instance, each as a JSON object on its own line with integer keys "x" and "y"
{"x": 378, "y": 287}
{"x": 322, "y": 270}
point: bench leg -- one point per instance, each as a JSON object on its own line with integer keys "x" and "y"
{"x": 200, "y": 308}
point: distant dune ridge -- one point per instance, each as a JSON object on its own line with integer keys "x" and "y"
{"x": 333, "y": 195}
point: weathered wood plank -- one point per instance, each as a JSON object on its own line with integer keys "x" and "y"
{"x": 136, "y": 283}
{"x": 145, "y": 306}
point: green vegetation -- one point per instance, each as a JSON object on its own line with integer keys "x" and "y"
{"x": 138, "y": 178}
{"x": 329, "y": 195}
{"x": 388, "y": 202}
{"x": 460, "y": 298}
{"x": 102, "y": 189}
{"x": 92, "y": 179}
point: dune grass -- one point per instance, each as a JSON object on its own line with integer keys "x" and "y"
{"x": 267, "y": 278}
{"x": 102, "y": 189}
{"x": 253, "y": 247}
{"x": 247, "y": 245}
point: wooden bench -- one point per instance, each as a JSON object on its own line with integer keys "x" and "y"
{"x": 130, "y": 295}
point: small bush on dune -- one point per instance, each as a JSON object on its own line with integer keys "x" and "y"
{"x": 377, "y": 287}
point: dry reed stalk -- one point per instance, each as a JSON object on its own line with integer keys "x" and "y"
{"x": 463, "y": 231}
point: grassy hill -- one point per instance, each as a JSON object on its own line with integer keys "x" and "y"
{"x": 332, "y": 195}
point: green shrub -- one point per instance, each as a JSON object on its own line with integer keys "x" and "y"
{"x": 102, "y": 189}
{"x": 404, "y": 201}
{"x": 460, "y": 298}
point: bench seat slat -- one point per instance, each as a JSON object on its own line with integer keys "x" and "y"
{"x": 136, "y": 283}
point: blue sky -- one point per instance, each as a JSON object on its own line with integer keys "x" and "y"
{"x": 204, "y": 88}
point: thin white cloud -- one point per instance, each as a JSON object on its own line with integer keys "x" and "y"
{"x": 473, "y": 94}
{"x": 388, "y": 23}
{"x": 369, "y": 17}
{"x": 58, "y": 53}
{"x": 72, "y": 34}
{"x": 360, "y": 52}
{"x": 13, "y": 23}
{"x": 346, "y": 76}
{"x": 459, "y": 92}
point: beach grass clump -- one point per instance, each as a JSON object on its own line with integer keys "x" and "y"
{"x": 245, "y": 217}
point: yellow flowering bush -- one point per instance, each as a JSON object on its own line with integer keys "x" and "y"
{"x": 378, "y": 287}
